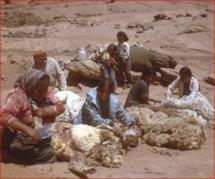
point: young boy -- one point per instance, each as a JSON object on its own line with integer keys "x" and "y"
{"x": 139, "y": 92}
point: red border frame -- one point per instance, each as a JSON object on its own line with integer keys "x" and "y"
{"x": 71, "y": 1}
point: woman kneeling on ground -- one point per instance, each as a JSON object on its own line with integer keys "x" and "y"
{"x": 190, "y": 98}
{"x": 102, "y": 107}
{"x": 20, "y": 138}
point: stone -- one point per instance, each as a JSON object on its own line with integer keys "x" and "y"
{"x": 168, "y": 75}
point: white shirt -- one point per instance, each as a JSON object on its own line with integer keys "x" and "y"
{"x": 124, "y": 50}
{"x": 57, "y": 77}
{"x": 177, "y": 83}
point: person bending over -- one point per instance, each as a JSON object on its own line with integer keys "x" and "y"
{"x": 102, "y": 107}
{"x": 139, "y": 92}
{"x": 30, "y": 99}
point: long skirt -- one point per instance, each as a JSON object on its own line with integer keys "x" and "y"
{"x": 22, "y": 149}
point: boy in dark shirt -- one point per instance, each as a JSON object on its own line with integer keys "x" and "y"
{"x": 139, "y": 92}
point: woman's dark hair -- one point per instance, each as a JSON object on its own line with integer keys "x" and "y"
{"x": 185, "y": 71}
{"x": 44, "y": 77}
{"x": 123, "y": 34}
{"x": 147, "y": 72}
{"x": 106, "y": 82}
{"x": 112, "y": 46}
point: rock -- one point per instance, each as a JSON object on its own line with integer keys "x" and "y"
{"x": 140, "y": 27}
{"x": 203, "y": 15}
{"x": 210, "y": 79}
{"x": 3, "y": 78}
{"x": 83, "y": 70}
{"x": 139, "y": 31}
{"x": 142, "y": 58}
{"x": 131, "y": 26}
{"x": 117, "y": 26}
{"x": 168, "y": 75}
{"x": 12, "y": 61}
{"x": 160, "y": 17}
{"x": 178, "y": 67}
{"x": 183, "y": 15}
{"x": 194, "y": 29}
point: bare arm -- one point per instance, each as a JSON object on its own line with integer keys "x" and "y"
{"x": 14, "y": 124}
{"x": 49, "y": 111}
{"x": 154, "y": 100}
{"x": 172, "y": 87}
{"x": 146, "y": 99}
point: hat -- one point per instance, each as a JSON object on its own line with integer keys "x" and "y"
{"x": 40, "y": 55}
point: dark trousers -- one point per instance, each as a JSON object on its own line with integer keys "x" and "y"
{"x": 125, "y": 70}
{"x": 22, "y": 149}
{"x": 110, "y": 73}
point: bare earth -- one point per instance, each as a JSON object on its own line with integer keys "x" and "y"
{"x": 62, "y": 28}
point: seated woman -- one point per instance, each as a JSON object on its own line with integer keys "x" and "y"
{"x": 190, "y": 98}
{"x": 29, "y": 99}
{"x": 102, "y": 107}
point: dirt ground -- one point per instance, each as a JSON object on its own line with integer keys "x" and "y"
{"x": 61, "y": 28}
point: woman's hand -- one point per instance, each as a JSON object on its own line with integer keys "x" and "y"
{"x": 34, "y": 134}
{"x": 48, "y": 111}
{"x": 38, "y": 112}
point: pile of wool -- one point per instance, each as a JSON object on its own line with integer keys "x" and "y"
{"x": 85, "y": 137}
{"x": 108, "y": 153}
{"x": 79, "y": 137}
{"x": 158, "y": 129}
{"x": 81, "y": 166}
{"x": 74, "y": 137}
{"x": 175, "y": 133}
{"x": 85, "y": 147}
{"x": 131, "y": 138}
{"x": 62, "y": 142}
{"x": 145, "y": 115}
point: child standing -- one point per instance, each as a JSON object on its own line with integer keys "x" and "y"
{"x": 123, "y": 59}
{"x": 109, "y": 64}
